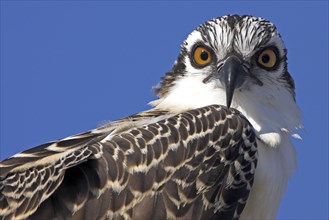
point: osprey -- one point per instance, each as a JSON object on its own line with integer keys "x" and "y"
{"x": 216, "y": 144}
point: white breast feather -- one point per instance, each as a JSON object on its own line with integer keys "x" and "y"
{"x": 275, "y": 118}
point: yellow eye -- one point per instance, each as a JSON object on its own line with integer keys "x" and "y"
{"x": 267, "y": 58}
{"x": 202, "y": 56}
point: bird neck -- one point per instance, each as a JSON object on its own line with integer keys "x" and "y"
{"x": 271, "y": 114}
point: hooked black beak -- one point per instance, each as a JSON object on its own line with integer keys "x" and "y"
{"x": 232, "y": 75}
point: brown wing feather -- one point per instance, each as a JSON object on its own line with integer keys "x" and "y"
{"x": 198, "y": 164}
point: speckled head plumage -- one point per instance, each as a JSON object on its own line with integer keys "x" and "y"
{"x": 242, "y": 36}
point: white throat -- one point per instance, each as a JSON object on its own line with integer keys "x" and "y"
{"x": 271, "y": 111}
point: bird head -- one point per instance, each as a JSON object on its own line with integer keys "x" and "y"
{"x": 239, "y": 62}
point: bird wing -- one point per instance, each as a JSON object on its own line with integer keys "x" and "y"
{"x": 198, "y": 164}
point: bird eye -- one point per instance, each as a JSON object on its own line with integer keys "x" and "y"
{"x": 267, "y": 58}
{"x": 202, "y": 56}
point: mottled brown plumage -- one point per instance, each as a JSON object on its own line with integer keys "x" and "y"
{"x": 198, "y": 164}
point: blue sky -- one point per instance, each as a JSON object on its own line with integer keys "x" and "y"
{"x": 67, "y": 67}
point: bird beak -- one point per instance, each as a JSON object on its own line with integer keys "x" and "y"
{"x": 232, "y": 75}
